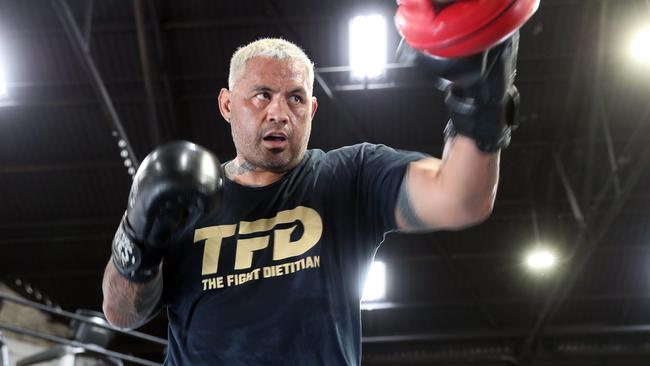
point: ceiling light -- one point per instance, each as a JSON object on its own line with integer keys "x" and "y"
{"x": 367, "y": 46}
{"x": 375, "y": 286}
{"x": 640, "y": 45}
{"x": 3, "y": 80}
{"x": 540, "y": 260}
{"x": 3, "y": 85}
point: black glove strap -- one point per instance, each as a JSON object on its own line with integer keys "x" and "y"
{"x": 490, "y": 125}
{"x": 131, "y": 259}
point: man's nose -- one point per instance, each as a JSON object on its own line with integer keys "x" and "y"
{"x": 278, "y": 110}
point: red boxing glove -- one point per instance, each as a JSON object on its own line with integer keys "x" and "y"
{"x": 454, "y": 29}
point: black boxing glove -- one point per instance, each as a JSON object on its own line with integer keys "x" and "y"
{"x": 176, "y": 185}
{"x": 480, "y": 95}
{"x": 487, "y": 110}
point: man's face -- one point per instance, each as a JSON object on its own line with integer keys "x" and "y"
{"x": 270, "y": 110}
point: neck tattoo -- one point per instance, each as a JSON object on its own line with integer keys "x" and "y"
{"x": 233, "y": 169}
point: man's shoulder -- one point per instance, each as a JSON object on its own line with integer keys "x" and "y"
{"x": 344, "y": 151}
{"x": 352, "y": 157}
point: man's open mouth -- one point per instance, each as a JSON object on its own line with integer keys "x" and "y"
{"x": 275, "y": 141}
{"x": 275, "y": 138}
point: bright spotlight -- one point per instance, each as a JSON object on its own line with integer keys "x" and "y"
{"x": 540, "y": 260}
{"x": 3, "y": 80}
{"x": 375, "y": 287}
{"x": 640, "y": 46}
{"x": 367, "y": 46}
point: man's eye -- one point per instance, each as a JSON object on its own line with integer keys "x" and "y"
{"x": 296, "y": 99}
{"x": 263, "y": 95}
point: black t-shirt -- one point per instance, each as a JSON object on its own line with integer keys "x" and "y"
{"x": 275, "y": 276}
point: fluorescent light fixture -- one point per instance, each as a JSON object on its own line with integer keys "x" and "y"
{"x": 3, "y": 75}
{"x": 367, "y": 46}
{"x": 540, "y": 260}
{"x": 640, "y": 45}
{"x": 3, "y": 80}
{"x": 375, "y": 287}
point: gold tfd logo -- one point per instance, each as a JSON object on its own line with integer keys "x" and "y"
{"x": 283, "y": 247}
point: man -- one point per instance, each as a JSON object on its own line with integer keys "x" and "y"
{"x": 274, "y": 275}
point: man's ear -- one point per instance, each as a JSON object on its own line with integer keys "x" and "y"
{"x": 314, "y": 106}
{"x": 224, "y": 103}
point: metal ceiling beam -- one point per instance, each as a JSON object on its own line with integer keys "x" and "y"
{"x": 349, "y": 120}
{"x": 62, "y": 275}
{"x": 53, "y": 98}
{"x": 253, "y": 20}
{"x": 88, "y": 24}
{"x": 248, "y": 21}
{"x": 571, "y": 354}
{"x": 72, "y": 222}
{"x": 583, "y": 251}
{"x": 77, "y": 42}
{"x": 428, "y": 358}
{"x": 530, "y": 191}
{"x": 585, "y": 242}
{"x": 321, "y": 70}
{"x": 450, "y": 336}
{"x": 465, "y": 283}
{"x": 58, "y": 167}
{"x": 611, "y": 154}
{"x": 636, "y": 140}
{"x": 515, "y": 333}
{"x": 583, "y": 246}
{"x": 185, "y": 25}
{"x": 498, "y": 255}
{"x": 164, "y": 63}
{"x": 579, "y": 350}
{"x": 143, "y": 50}
{"x": 577, "y": 69}
{"x": 595, "y": 108}
{"x": 558, "y": 289}
{"x": 70, "y": 238}
{"x": 373, "y": 307}
{"x": 570, "y": 193}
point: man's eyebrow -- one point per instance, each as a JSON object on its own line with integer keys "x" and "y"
{"x": 298, "y": 90}
{"x": 262, "y": 88}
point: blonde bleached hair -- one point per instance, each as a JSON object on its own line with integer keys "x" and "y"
{"x": 276, "y": 48}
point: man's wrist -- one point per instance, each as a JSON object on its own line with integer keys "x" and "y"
{"x": 485, "y": 145}
{"x": 131, "y": 258}
{"x": 490, "y": 125}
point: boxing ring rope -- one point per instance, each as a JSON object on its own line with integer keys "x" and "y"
{"x": 88, "y": 347}
{"x": 93, "y": 348}
{"x": 73, "y": 316}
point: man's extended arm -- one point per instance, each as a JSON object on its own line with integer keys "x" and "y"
{"x": 460, "y": 189}
{"x": 128, "y": 304}
{"x": 451, "y": 193}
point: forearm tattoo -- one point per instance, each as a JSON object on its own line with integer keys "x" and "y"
{"x": 405, "y": 207}
{"x": 130, "y": 304}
